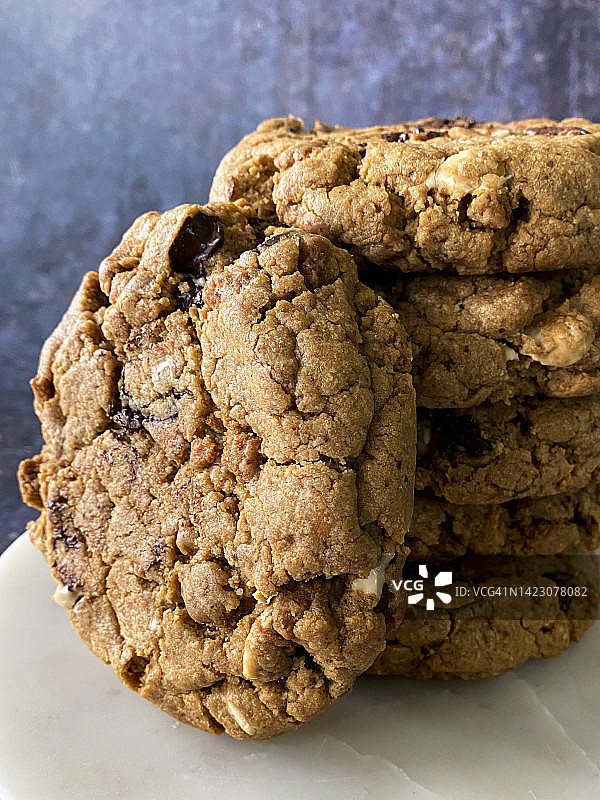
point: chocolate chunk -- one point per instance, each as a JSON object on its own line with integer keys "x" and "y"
{"x": 70, "y": 540}
{"x": 127, "y": 418}
{"x": 62, "y": 531}
{"x": 420, "y": 133}
{"x": 395, "y": 136}
{"x": 278, "y": 237}
{"x": 132, "y": 419}
{"x": 198, "y": 238}
{"x": 190, "y": 297}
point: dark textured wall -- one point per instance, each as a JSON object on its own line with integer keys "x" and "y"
{"x": 111, "y": 108}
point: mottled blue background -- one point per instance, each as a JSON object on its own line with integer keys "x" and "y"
{"x": 112, "y": 108}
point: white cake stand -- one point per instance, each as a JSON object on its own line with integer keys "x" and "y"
{"x": 69, "y": 729}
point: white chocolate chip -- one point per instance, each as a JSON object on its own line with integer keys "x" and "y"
{"x": 167, "y": 364}
{"x": 240, "y": 719}
{"x": 464, "y": 173}
{"x": 559, "y": 342}
{"x": 373, "y": 583}
{"x": 248, "y": 664}
{"x": 216, "y": 473}
{"x": 261, "y": 597}
{"x": 66, "y": 597}
{"x": 511, "y": 355}
{"x": 155, "y": 622}
{"x": 221, "y": 478}
{"x": 448, "y": 178}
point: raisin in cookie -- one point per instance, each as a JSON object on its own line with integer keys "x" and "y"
{"x": 435, "y": 194}
{"x": 497, "y": 452}
{"x": 228, "y": 426}
{"x": 532, "y": 526}
{"x": 480, "y": 637}
{"x": 499, "y": 337}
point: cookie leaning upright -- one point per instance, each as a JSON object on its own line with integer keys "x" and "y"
{"x": 436, "y": 194}
{"x": 228, "y": 469}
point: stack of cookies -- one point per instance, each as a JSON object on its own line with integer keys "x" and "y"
{"x": 233, "y": 437}
{"x": 485, "y": 238}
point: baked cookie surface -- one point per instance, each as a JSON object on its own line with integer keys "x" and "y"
{"x": 496, "y": 452}
{"x": 228, "y": 424}
{"x": 532, "y": 526}
{"x": 474, "y": 638}
{"x": 496, "y": 338}
{"x": 435, "y": 194}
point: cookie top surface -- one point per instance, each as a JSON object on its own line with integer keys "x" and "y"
{"x": 499, "y": 337}
{"x": 498, "y": 452}
{"x": 533, "y": 526}
{"x": 477, "y": 637}
{"x": 229, "y": 424}
{"x": 434, "y": 194}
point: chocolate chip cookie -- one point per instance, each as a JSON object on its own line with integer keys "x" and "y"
{"x": 532, "y": 526}
{"x": 436, "y": 194}
{"x": 228, "y": 468}
{"x": 498, "y": 452}
{"x": 478, "y": 637}
{"x": 499, "y": 337}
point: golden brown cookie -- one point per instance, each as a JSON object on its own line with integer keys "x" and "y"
{"x": 533, "y": 607}
{"x": 497, "y": 452}
{"x": 228, "y": 471}
{"x": 532, "y": 526}
{"x": 498, "y": 337}
{"x": 436, "y": 194}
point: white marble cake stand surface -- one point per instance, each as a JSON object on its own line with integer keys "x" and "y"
{"x": 70, "y": 729}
